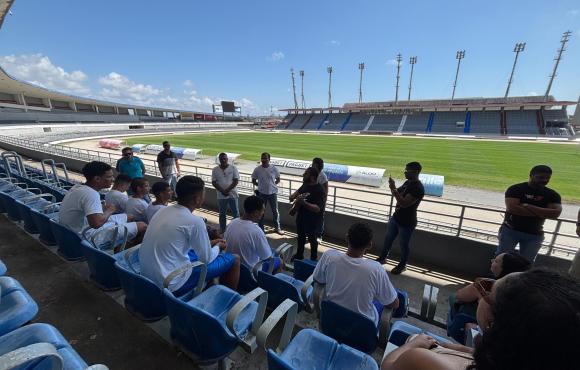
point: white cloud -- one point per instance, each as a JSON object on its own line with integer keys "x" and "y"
{"x": 276, "y": 56}
{"x": 39, "y": 70}
{"x": 573, "y": 12}
{"x": 533, "y": 93}
{"x": 119, "y": 87}
{"x": 391, "y": 62}
{"x": 334, "y": 43}
{"x": 187, "y": 83}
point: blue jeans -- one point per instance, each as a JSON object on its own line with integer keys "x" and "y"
{"x": 404, "y": 233}
{"x": 223, "y": 205}
{"x": 530, "y": 244}
{"x": 272, "y": 200}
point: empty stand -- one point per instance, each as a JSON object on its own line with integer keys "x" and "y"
{"x": 357, "y": 122}
{"x": 298, "y": 121}
{"x": 314, "y": 121}
{"x": 335, "y": 122}
{"x": 522, "y": 122}
{"x": 386, "y": 122}
{"x": 417, "y": 122}
{"x": 447, "y": 122}
{"x": 485, "y": 122}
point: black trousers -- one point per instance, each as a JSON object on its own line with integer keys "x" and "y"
{"x": 307, "y": 231}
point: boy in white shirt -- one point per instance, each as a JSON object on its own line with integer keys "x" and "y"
{"x": 81, "y": 209}
{"x": 117, "y": 196}
{"x": 137, "y": 205}
{"x": 224, "y": 179}
{"x": 176, "y": 237}
{"x": 163, "y": 193}
{"x": 246, "y": 239}
{"x": 354, "y": 282}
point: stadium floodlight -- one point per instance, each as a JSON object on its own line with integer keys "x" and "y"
{"x": 302, "y": 88}
{"x": 563, "y": 41}
{"x": 460, "y": 55}
{"x": 361, "y": 67}
{"x": 329, "y": 70}
{"x": 398, "y": 60}
{"x": 412, "y": 62}
{"x": 294, "y": 89}
{"x": 520, "y": 46}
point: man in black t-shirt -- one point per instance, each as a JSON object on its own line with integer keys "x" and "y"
{"x": 528, "y": 205}
{"x": 404, "y": 220}
{"x": 309, "y": 202}
{"x": 168, "y": 165}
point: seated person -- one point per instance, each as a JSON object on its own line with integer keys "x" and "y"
{"x": 117, "y": 196}
{"x": 137, "y": 205}
{"x": 519, "y": 316}
{"x": 81, "y": 209}
{"x": 246, "y": 239}
{"x": 163, "y": 194}
{"x": 354, "y": 282}
{"x": 174, "y": 232}
{"x": 465, "y": 300}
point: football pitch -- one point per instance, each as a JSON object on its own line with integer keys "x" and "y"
{"x": 491, "y": 165}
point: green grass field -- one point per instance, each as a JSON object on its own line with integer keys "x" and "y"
{"x": 491, "y": 165}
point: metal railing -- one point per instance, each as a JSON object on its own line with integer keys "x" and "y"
{"x": 461, "y": 220}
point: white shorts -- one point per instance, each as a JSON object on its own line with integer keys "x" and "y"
{"x": 115, "y": 223}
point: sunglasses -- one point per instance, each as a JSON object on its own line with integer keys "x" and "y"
{"x": 483, "y": 287}
{"x": 127, "y": 154}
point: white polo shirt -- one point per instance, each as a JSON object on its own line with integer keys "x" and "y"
{"x": 152, "y": 210}
{"x": 354, "y": 283}
{"x": 266, "y": 177}
{"x": 322, "y": 178}
{"x": 80, "y": 202}
{"x": 246, "y": 239}
{"x": 137, "y": 207}
{"x": 224, "y": 178}
{"x": 118, "y": 199}
{"x": 171, "y": 234}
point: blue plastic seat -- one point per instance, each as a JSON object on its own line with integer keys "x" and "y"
{"x": 212, "y": 324}
{"x": 42, "y": 222}
{"x": 2, "y": 268}
{"x": 403, "y": 309}
{"x": 282, "y": 286}
{"x": 400, "y": 332}
{"x": 69, "y": 242}
{"x": 456, "y": 325}
{"x": 143, "y": 298}
{"x": 249, "y": 274}
{"x": 101, "y": 264}
{"x": 16, "y": 306}
{"x": 9, "y": 199}
{"x": 303, "y": 269}
{"x": 247, "y": 280}
{"x": 41, "y": 333}
{"x": 310, "y": 349}
{"x": 25, "y": 207}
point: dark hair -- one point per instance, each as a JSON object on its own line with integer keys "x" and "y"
{"x": 122, "y": 179}
{"x": 359, "y": 235}
{"x": 159, "y": 187}
{"x": 187, "y": 187}
{"x": 165, "y": 143}
{"x": 528, "y": 309}
{"x": 513, "y": 262}
{"x": 541, "y": 168}
{"x": 414, "y": 166}
{"x": 312, "y": 172}
{"x": 253, "y": 203}
{"x": 137, "y": 183}
{"x": 94, "y": 169}
{"x": 318, "y": 162}
{"x": 126, "y": 148}
{"x": 266, "y": 154}
{"x": 222, "y": 154}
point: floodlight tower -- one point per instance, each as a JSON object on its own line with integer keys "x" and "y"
{"x": 361, "y": 67}
{"x": 520, "y": 46}
{"x": 294, "y": 88}
{"x": 329, "y": 70}
{"x": 302, "y": 87}
{"x": 398, "y": 59}
{"x": 563, "y": 41}
{"x": 460, "y": 55}
{"x": 412, "y": 62}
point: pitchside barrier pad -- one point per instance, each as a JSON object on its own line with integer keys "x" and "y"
{"x": 110, "y": 143}
{"x": 137, "y": 148}
{"x": 433, "y": 184}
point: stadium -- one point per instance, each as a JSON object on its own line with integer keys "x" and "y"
{"x": 100, "y": 307}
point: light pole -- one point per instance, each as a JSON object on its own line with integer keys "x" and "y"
{"x": 398, "y": 59}
{"x": 520, "y": 46}
{"x": 460, "y": 55}
{"x": 329, "y": 70}
{"x": 412, "y": 62}
{"x": 563, "y": 41}
{"x": 294, "y": 89}
{"x": 361, "y": 67}
{"x": 302, "y": 87}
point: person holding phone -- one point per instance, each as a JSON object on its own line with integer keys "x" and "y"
{"x": 404, "y": 220}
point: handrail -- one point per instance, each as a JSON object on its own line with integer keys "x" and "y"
{"x": 457, "y": 219}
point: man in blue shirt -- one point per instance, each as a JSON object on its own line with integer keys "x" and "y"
{"x": 130, "y": 165}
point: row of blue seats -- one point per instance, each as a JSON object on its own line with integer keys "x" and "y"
{"x": 33, "y": 346}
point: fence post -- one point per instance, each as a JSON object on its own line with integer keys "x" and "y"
{"x": 334, "y": 199}
{"x": 391, "y": 206}
{"x": 554, "y": 236}
{"x": 460, "y": 221}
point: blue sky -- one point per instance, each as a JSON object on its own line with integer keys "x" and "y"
{"x": 190, "y": 54}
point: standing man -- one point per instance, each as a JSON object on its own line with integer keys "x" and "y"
{"x": 266, "y": 177}
{"x": 130, "y": 165}
{"x": 318, "y": 163}
{"x": 224, "y": 179}
{"x": 528, "y": 205}
{"x": 404, "y": 220}
{"x": 168, "y": 165}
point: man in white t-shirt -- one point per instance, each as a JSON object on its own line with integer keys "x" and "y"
{"x": 318, "y": 163}
{"x": 163, "y": 194}
{"x": 82, "y": 211}
{"x": 354, "y": 282}
{"x": 176, "y": 237}
{"x": 246, "y": 239}
{"x": 224, "y": 179}
{"x": 137, "y": 205}
{"x": 117, "y": 196}
{"x": 266, "y": 177}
